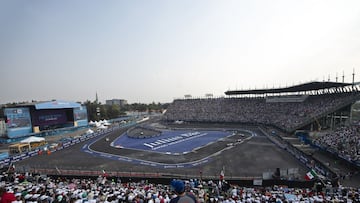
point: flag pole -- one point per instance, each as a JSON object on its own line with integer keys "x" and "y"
{"x": 57, "y": 169}
{"x": 222, "y": 174}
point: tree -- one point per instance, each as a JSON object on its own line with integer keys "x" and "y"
{"x": 91, "y": 110}
{"x": 112, "y": 111}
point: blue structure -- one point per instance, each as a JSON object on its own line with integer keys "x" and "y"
{"x": 26, "y": 119}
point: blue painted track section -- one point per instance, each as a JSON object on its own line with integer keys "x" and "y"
{"x": 171, "y": 141}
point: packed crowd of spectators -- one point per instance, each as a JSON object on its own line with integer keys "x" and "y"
{"x": 344, "y": 141}
{"x": 285, "y": 115}
{"x": 34, "y": 188}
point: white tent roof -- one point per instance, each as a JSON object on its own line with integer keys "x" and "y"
{"x": 32, "y": 139}
{"x": 102, "y": 127}
{"x": 89, "y": 131}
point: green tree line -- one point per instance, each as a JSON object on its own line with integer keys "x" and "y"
{"x": 98, "y": 111}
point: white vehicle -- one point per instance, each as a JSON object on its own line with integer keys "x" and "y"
{"x": 178, "y": 122}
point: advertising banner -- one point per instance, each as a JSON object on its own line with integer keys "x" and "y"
{"x": 17, "y": 117}
{"x": 18, "y": 122}
{"x": 80, "y": 116}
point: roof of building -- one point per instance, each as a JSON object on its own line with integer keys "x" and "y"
{"x": 56, "y": 104}
{"x": 32, "y": 139}
{"x": 297, "y": 88}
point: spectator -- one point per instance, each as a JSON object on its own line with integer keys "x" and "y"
{"x": 282, "y": 114}
{"x": 344, "y": 141}
{"x": 181, "y": 195}
{"x": 6, "y": 195}
{"x": 92, "y": 191}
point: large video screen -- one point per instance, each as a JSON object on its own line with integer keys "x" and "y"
{"x": 50, "y": 117}
{"x": 17, "y": 117}
{"x": 80, "y": 113}
{"x": 18, "y": 121}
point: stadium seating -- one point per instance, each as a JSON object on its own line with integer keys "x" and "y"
{"x": 285, "y": 115}
{"x": 344, "y": 142}
{"x": 36, "y": 188}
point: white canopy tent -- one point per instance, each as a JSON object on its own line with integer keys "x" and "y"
{"x": 89, "y": 131}
{"x": 32, "y": 139}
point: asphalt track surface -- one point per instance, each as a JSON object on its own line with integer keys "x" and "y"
{"x": 248, "y": 159}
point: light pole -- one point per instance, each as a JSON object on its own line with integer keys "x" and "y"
{"x": 98, "y": 112}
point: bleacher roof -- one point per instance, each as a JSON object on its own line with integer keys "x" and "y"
{"x": 56, "y": 104}
{"x": 297, "y": 88}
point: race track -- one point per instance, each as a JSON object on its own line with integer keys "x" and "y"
{"x": 250, "y": 158}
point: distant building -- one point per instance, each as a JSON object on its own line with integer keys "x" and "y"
{"x": 120, "y": 102}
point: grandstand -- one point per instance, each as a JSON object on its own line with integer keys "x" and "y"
{"x": 292, "y": 114}
{"x": 307, "y": 106}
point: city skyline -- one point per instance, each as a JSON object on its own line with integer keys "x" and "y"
{"x": 156, "y": 51}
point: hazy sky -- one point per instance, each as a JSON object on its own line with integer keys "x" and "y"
{"x": 158, "y": 50}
